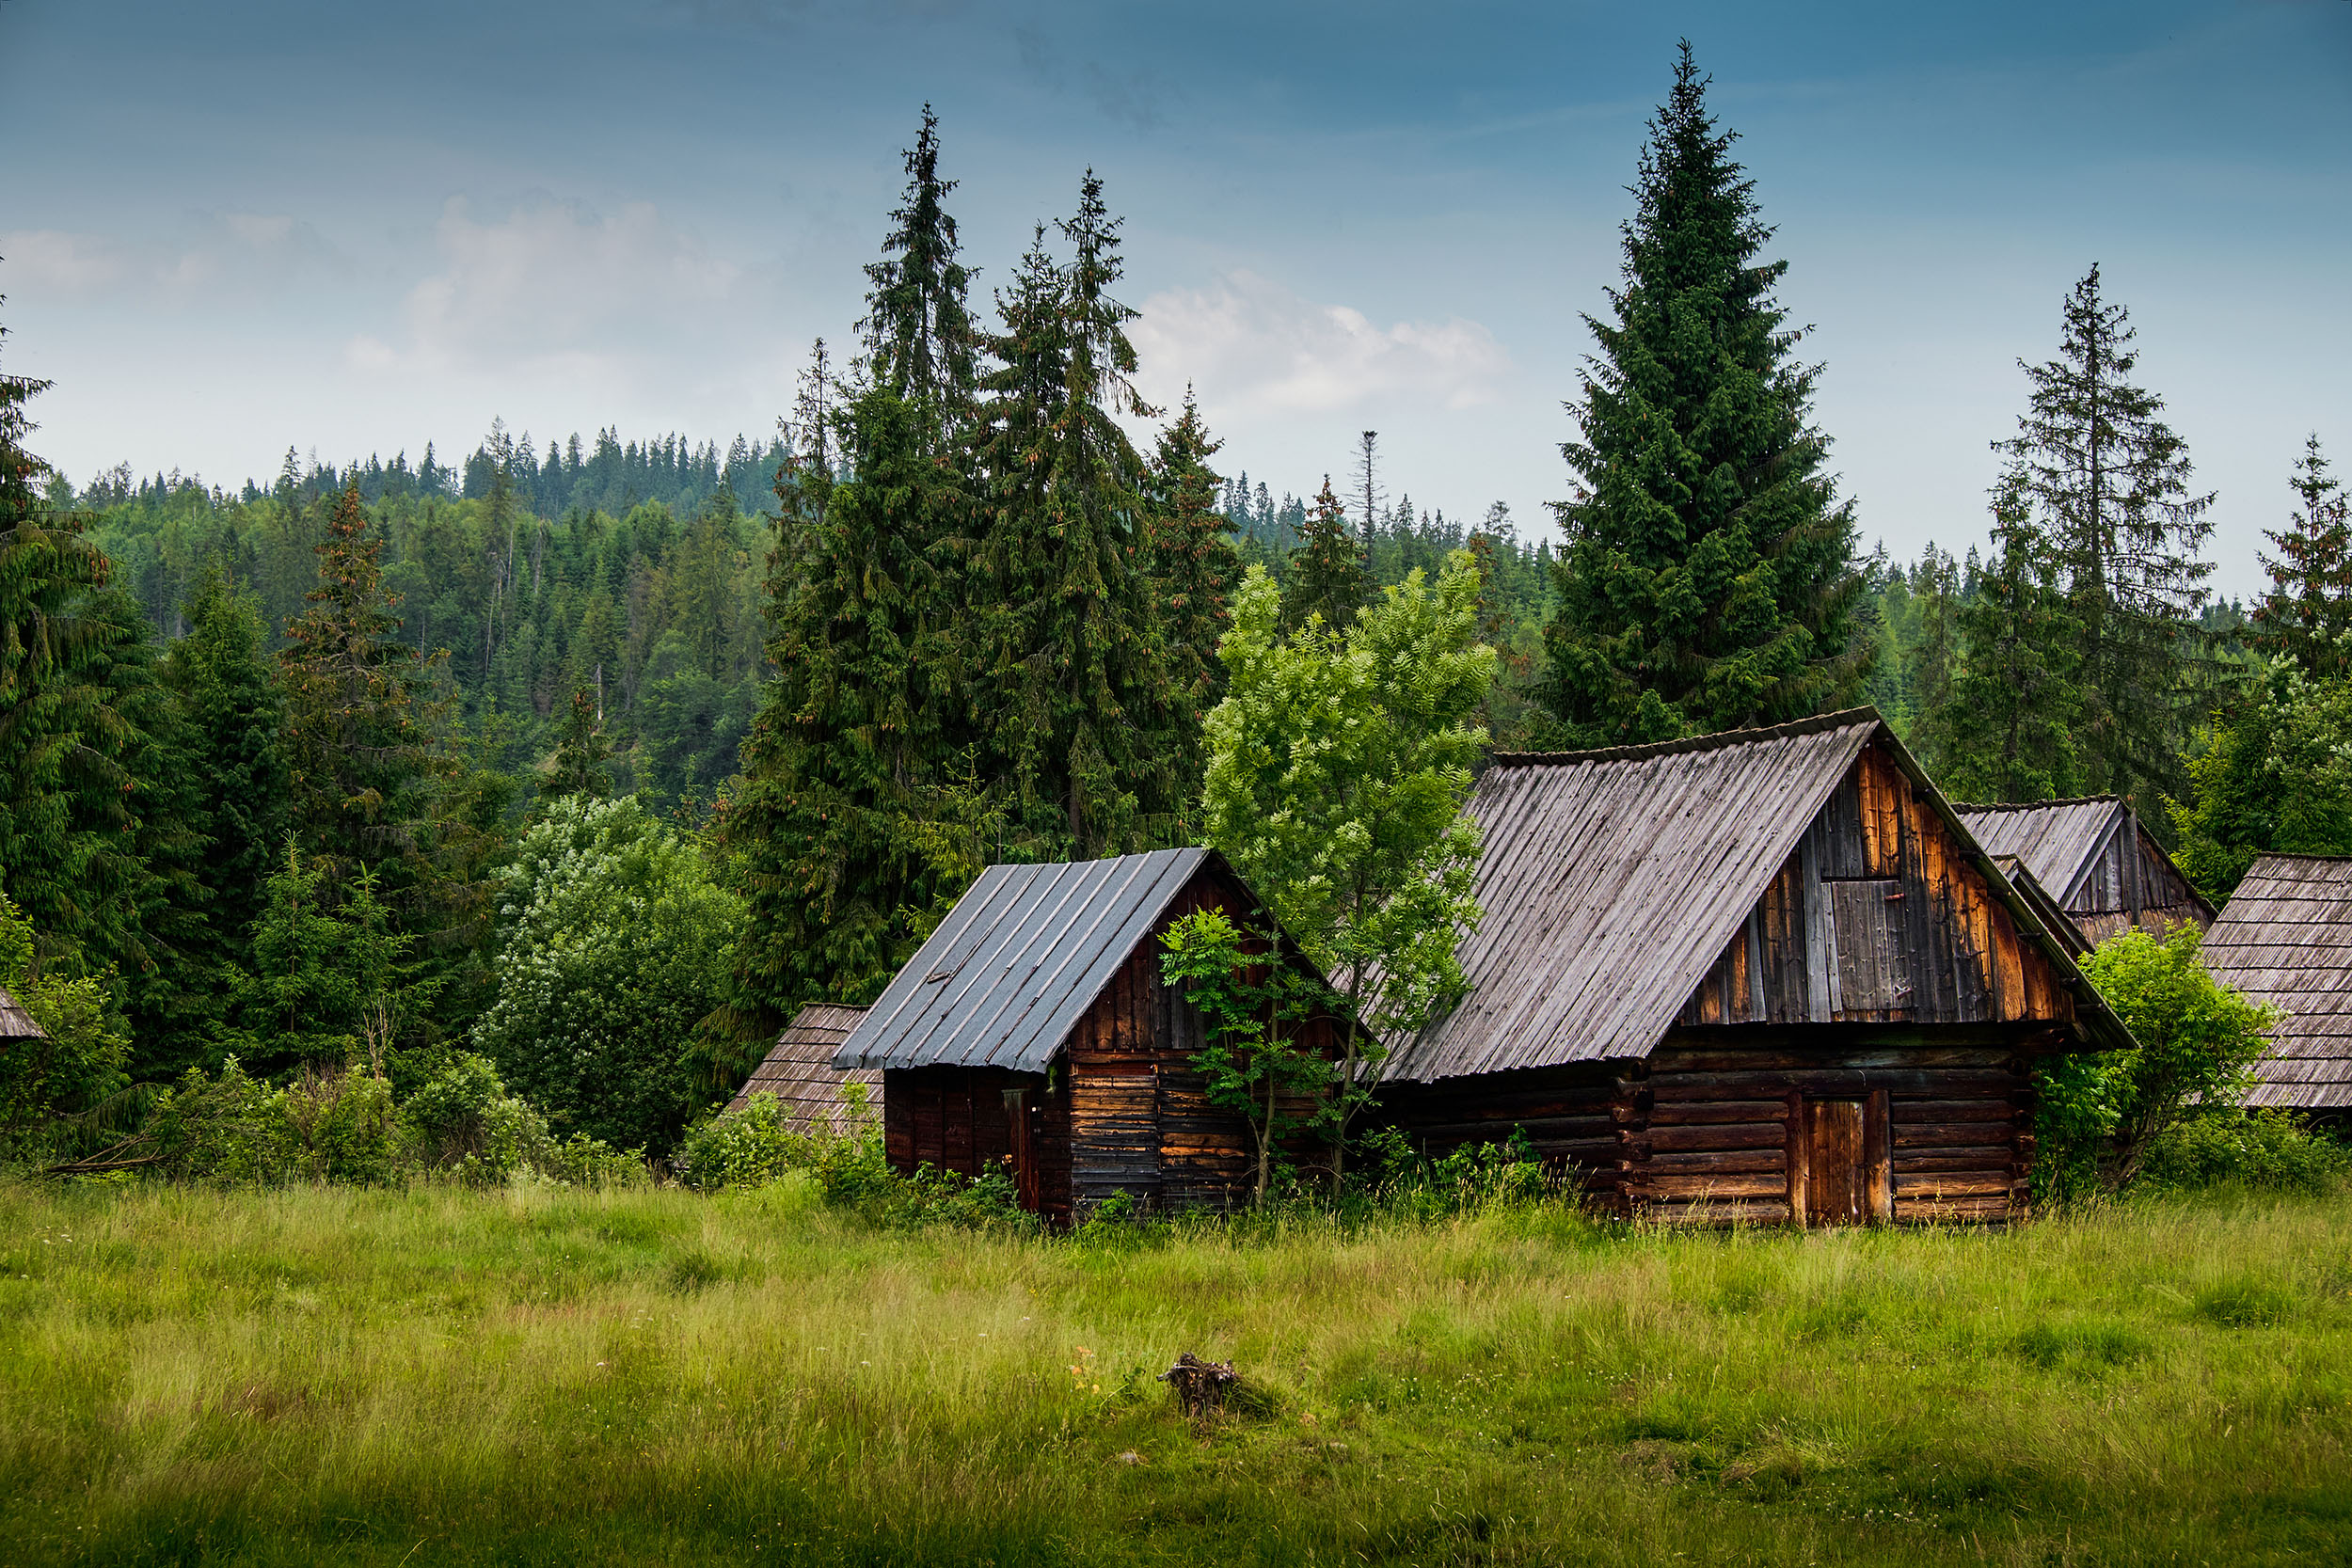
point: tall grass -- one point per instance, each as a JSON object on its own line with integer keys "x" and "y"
{"x": 545, "y": 1375}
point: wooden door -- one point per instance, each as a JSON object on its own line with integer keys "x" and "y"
{"x": 1840, "y": 1169}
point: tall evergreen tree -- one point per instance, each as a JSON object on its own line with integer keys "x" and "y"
{"x": 1709, "y": 579}
{"x": 1196, "y": 570}
{"x": 1326, "y": 574}
{"x": 367, "y": 773}
{"x": 2109, "y": 480}
{"x": 850, "y": 832}
{"x": 2003, "y": 729}
{"x": 1077, "y": 706}
{"x": 2306, "y": 613}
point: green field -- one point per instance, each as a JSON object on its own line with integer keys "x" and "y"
{"x": 553, "y": 1376}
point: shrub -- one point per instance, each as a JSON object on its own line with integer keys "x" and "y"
{"x": 754, "y": 1144}
{"x": 234, "y": 1127}
{"x": 343, "y": 1127}
{"x": 80, "y": 1061}
{"x": 2260, "y": 1148}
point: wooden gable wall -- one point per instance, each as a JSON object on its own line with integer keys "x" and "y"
{"x": 1878, "y": 918}
{"x": 2132, "y": 882}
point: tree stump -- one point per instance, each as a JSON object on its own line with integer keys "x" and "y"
{"x": 1199, "y": 1385}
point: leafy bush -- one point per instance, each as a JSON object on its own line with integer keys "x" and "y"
{"x": 615, "y": 942}
{"x": 754, "y": 1143}
{"x": 2259, "y": 1149}
{"x": 2100, "y": 1116}
{"x": 233, "y": 1128}
{"x": 80, "y": 1062}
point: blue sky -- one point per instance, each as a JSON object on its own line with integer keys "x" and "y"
{"x": 236, "y": 228}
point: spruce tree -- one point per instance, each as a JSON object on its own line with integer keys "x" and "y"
{"x": 1077, "y": 707}
{"x": 1709, "y": 579}
{"x": 1195, "y": 569}
{"x": 583, "y": 755}
{"x": 850, "y": 832}
{"x": 368, "y": 777}
{"x": 2108, "y": 483}
{"x": 2306, "y": 613}
{"x": 1326, "y": 574}
{"x": 2003, "y": 729}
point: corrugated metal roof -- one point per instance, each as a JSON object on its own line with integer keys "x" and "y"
{"x": 798, "y": 1071}
{"x": 2056, "y": 839}
{"x": 2285, "y": 938}
{"x": 15, "y": 1023}
{"x": 1022, "y": 955}
{"x": 1611, "y": 880}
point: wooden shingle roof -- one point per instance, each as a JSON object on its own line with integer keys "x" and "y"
{"x": 799, "y": 1069}
{"x": 2056, "y": 840}
{"x": 15, "y": 1023}
{"x": 1612, "y": 880}
{"x": 2285, "y": 938}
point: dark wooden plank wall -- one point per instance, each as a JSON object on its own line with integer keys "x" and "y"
{"x": 2133, "y": 881}
{"x": 951, "y": 1118}
{"x": 1878, "y": 918}
{"x": 1566, "y": 1111}
{"x": 1708, "y": 1127}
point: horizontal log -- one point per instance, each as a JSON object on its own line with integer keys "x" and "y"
{"x": 1761, "y": 1186}
{"x": 1914, "y": 1210}
{"x": 1751, "y": 1211}
{"x": 1725, "y": 1162}
{"x": 1670, "y": 1061}
{"x": 1991, "y": 1108}
{"x": 1736, "y": 1135}
{"x": 1832, "y": 1084}
{"x": 1424, "y": 1105}
{"x": 1702, "y": 1113}
{"x": 1953, "y": 1134}
{"x": 1907, "y": 1161}
{"x": 1953, "y": 1183}
{"x": 1465, "y": 1132}
{"x": 1853, "y": 1037}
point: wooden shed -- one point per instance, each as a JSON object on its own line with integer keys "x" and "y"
{"x": 1761, "y": 975}
{"x": 15, "y": 1023}
{"x": 810, "y": 1091}
{"x": 2096, "y": 859}
{"x": 1033, "y": 1029}
{"x": 2285, "y": 938}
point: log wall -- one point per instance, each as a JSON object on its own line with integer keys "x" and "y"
{"x": 1122, "y": 1110}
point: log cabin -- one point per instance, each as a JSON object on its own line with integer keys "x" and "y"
{"x": 2096, "y": 859}
{"x": 798, "y": 1070}
{"x": 1033, "y": 1030}
{"x": 2285, "y": 938}
{"x": 1763, "y": 976}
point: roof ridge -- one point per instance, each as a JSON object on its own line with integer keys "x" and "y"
{"x": 2036, "y": 805}
{"x": 1720, "y": 740}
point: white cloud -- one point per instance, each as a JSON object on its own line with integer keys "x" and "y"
{"x": 557, "y": 288}
{"x": 214, "y": 255}
{"x": 1251, "y": 347}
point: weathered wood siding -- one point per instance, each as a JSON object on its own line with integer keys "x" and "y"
{"x": 2133, "y": 882}
{"x": 1122, "y": 1111}
{"x": 1714, "y": 1129}
{"x": 1878, "y": 918}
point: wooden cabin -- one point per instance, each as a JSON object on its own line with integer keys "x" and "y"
{"x": 1033, "y": 1029}
{"x": 2285, "y": 938}
{"x": 810, "y": 1091}
{"x": 2096, "y": 859}
{"x": 1763, "y": 976}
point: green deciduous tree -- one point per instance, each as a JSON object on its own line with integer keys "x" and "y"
{"x": 614, "y": 945}
{"x": 2108, "y": 483}
{"x": 1253, "y": 1009}
{"x": 2307, "y": 612}
{"x": 1707, "y": 580}
{"x": 1338, "y": 765}
{"x": 2275, "y": 774}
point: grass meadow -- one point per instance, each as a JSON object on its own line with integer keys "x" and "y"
{"x": 547, "y": 1375}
